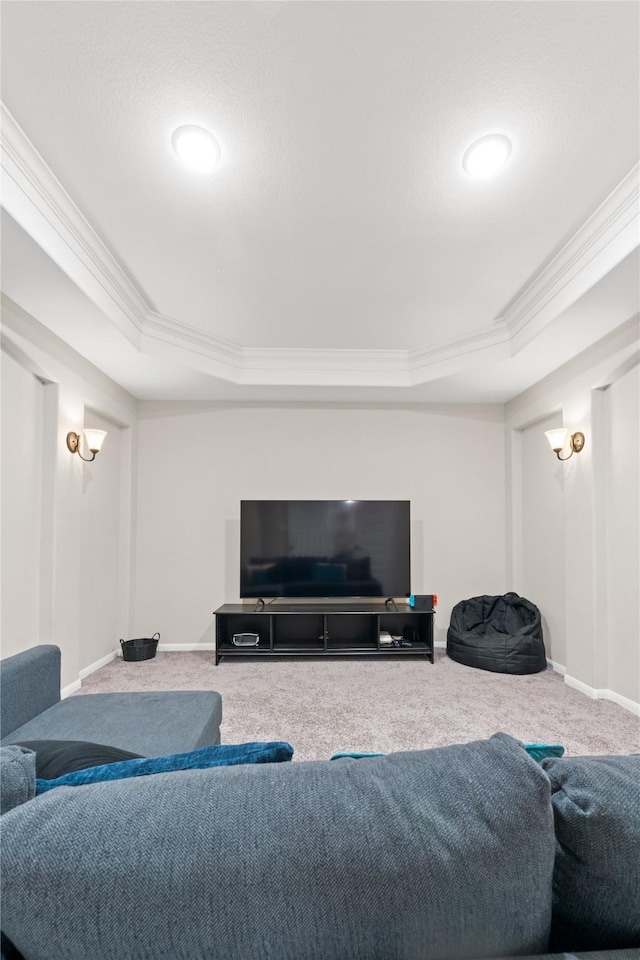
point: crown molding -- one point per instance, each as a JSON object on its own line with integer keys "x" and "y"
{"x": 36, "y": 199}
{"x": 159, "y": 327}
{"x": 495, "y": 336}
{"x": 291, "y": 366}
{"x": 164, "y": 336}
{"x": 603, "y": 241}
{"x": 334, "y": 367}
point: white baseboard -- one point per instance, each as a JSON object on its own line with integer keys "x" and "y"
{"x": 625, "y": 702}
{"x": 582, "y": 687}
{"x": 72, "y": 688}
{"x": 87, "y": 671}
{"x": 556, "y": 667}
{"x": 611, "y": 695}
{"x": 184, "y": 647}
{"x": 440, "y": 643}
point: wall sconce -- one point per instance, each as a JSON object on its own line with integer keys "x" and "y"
{"x": 92, "y": 438}
{"x": 558, "y": 440}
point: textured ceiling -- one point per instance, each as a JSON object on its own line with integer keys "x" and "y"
{"x": 339, "y": 218}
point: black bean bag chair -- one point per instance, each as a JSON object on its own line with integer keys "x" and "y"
{"x": 503, "y": 634}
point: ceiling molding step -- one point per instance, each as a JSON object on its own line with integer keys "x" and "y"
{"x": 190, "y": 352}
{"x": 163, "y": 336}
{"x": 290, "y": 366}
{"x": 347, "y": 377}
{"x": 495, "y": 336}
{"x": 37, "y": 201}
{"x": 182, "y": 335}
{"x": 250, "y": 359}
{"x": 326, "y": 360}
{"x": 448, "y": 359}
{"x": 601, "y": 243}
{"x": 195, "y": 349}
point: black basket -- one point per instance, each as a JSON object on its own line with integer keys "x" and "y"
{"x": 142, "y": 649}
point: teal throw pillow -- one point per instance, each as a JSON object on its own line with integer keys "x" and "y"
{"x": 220, "y": 755}
{"x": 540, "y": 751}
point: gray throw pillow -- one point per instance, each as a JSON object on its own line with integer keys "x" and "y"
{"x": 57, "y": 758}
{"x": 596, "y": 878}
{"x": 17, "y": 776}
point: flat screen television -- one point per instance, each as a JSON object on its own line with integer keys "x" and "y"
{"x": 324, "y": 548}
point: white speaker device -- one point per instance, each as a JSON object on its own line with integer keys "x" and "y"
{"x": 245, "y": 639}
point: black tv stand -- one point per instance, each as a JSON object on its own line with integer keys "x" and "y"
{"x": 324, "y": 630}
{"x": 391, "y": 600}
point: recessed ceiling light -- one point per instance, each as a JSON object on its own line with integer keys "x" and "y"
{"x": 197, "y": 148}
{"x": 487, "y": 156}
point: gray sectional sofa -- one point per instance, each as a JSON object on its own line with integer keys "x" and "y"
{"x": 150, "y": 724}
{"x": 468, "y": 851}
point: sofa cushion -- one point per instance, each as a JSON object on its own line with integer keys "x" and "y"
{"x": 56, "y": 758}
{"x": 430, "y": 854}
{"x": 596, "y": 879}
{"x": 149, "y": 724}
{"x": 225, "y": 755}
{"x": 17, "y": 777}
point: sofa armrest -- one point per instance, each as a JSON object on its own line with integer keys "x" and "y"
{"x": 29, "y": 684}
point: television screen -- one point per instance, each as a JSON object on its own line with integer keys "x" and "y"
{"x": 324, "y": 548}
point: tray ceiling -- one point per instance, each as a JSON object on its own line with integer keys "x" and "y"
{"x": 338, "y": 251}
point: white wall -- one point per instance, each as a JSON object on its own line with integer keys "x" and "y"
{"x": 622, "y": 404}
{"x": 197, "y": 461}
{"x": 22, "y": 416}
{"x": 99, "y": 557}
{"x": 543, "y": 535}
{"x": 595, "y": 393}
{"x": 68, "y": 549}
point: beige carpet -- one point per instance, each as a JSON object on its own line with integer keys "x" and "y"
{"x": 322, "y": 706}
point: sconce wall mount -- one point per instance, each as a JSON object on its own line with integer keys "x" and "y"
{"x": 93, "y": 439}
{"x": 558, "y": 439}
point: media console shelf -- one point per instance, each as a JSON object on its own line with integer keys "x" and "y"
{"x": 328, "y": 630}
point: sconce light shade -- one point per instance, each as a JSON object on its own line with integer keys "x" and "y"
{"x": 558, "y": 440}
{"x": 92, "y": 439}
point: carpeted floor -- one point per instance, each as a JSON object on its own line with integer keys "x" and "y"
{"x": 322, "y": 706}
